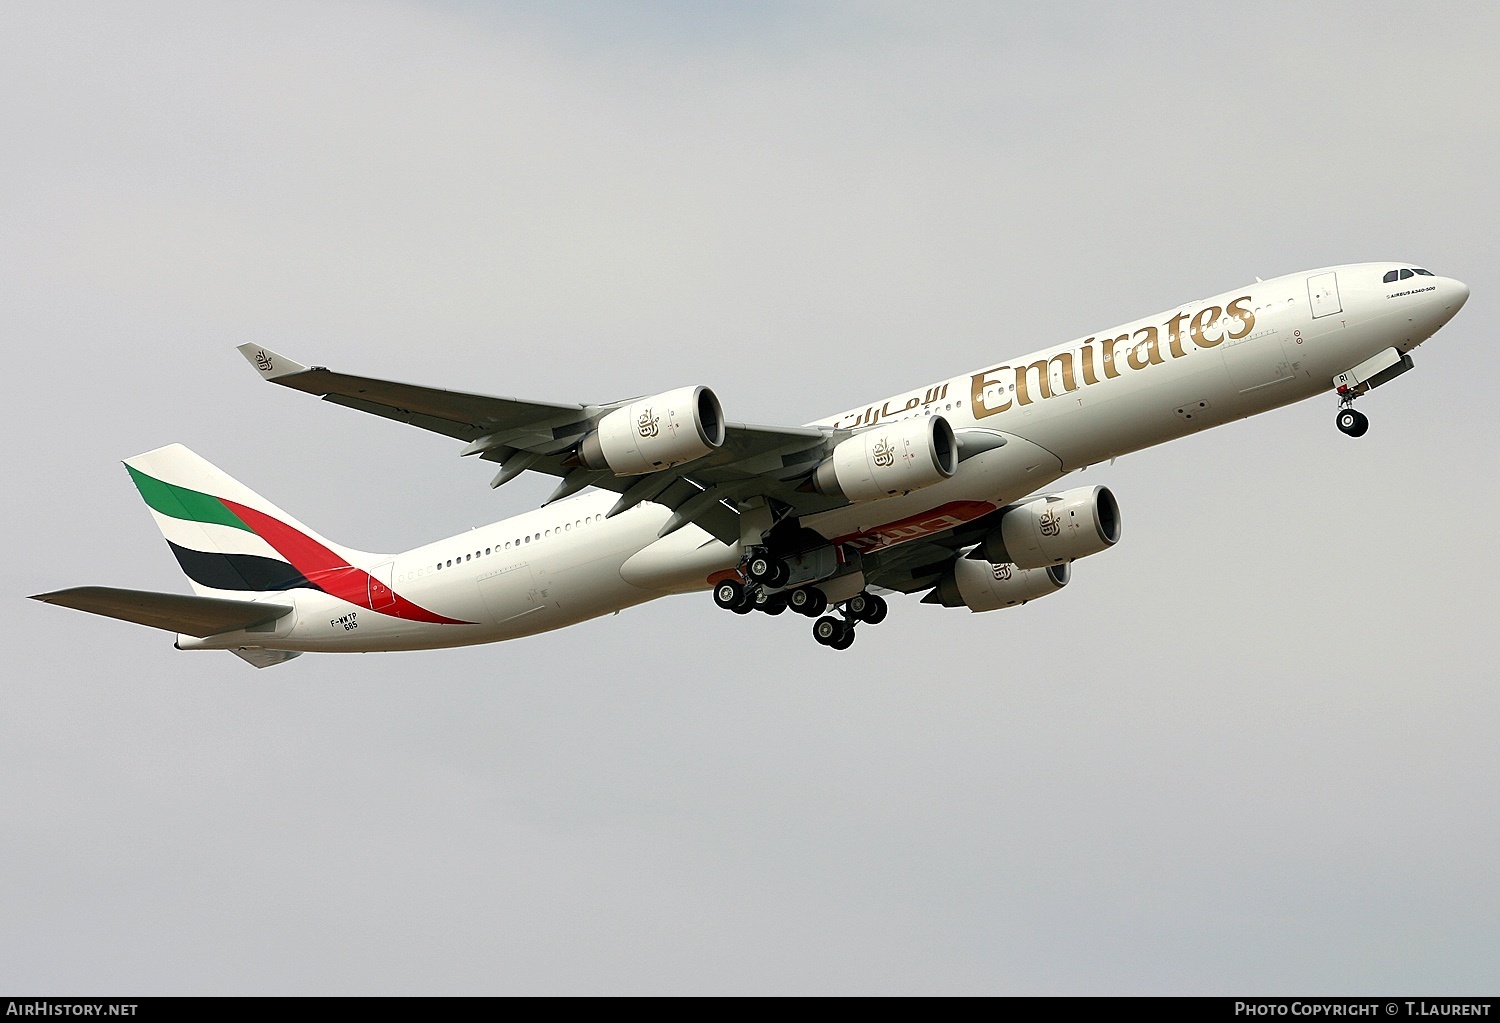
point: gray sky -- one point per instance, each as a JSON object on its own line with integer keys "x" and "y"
{"x": 1251, "y": 749}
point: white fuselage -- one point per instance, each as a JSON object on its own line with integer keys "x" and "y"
{"x": 1060, "y": 409}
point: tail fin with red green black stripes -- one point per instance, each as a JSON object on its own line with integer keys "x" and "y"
{"x": 227, "y": 538}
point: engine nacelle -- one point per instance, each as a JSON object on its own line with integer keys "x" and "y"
{"x": 982, "y": 586}
{"x": 657, "y": 432}
{"x": 890, "y": 460}
{"x": 1055, "y": 529}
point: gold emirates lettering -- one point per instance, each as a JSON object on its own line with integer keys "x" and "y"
{"x": 875, "y": 413}
{"x": 1034, "y": 381}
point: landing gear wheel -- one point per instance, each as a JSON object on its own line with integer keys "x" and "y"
{"x": 808, "y": 600}
{"x": 729, "y": 594}
{"x": 1352, "y": 423}
{"x": 834, "y": 632}
{"x": 866, "y": 607}
{"x": 765, "y": 569}
{"x": 770, "y": 603}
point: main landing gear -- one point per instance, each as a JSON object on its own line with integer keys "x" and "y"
{"x": 839, "y": 632}
{"x": 829, "y": 630}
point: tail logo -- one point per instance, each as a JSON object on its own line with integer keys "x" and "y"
{"x": 300, "y": 562}
{"x": 263, "y": 360}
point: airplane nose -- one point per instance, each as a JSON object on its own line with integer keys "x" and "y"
{"x": 1460, "y": 293}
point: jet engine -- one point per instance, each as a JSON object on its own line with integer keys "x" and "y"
{"x": 656, "y": 432}
{"x": 1055, "y": 529}
{"x": 982, "y": 586}
{"x": 890, "y": 460}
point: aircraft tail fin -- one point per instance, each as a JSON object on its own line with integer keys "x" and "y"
{"x": 227, "y": 538}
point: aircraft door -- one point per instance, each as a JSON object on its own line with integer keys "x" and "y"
{"x": 381, "y": 594}
{"x": 1258, "y": 360}
{"x": 1323, "y": 294}
{"x": 508, "y": 591}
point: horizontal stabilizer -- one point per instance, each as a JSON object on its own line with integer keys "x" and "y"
{"x": 174, "y": 612}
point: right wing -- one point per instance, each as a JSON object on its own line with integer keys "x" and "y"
{"x": 174, "y": 612}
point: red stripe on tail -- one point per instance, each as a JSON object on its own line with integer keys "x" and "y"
{"x": 326, "y": 570}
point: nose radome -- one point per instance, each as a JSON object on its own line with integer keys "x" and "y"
{"x": 1460, "y": 293}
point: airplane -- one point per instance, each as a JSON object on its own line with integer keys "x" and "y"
{"x": 942, "y": 490}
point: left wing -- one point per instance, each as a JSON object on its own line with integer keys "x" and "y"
{"x": 754, "y": 462}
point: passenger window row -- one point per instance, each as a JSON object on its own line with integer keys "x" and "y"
{"x": 566, "y": 526}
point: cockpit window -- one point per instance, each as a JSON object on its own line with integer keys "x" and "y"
{"x": 1400, "y": 275}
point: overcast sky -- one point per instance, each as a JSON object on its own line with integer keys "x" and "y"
{"x": 1249, "y": 750}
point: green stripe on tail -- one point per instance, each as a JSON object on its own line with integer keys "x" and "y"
{"x": 182, "y": 503}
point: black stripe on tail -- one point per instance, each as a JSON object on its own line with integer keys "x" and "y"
{"x": 238, "y": 571}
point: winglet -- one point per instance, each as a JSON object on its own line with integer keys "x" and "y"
{"x": 269, "y": 364}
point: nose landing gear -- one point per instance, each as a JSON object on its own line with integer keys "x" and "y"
{"x": 1352, "y": 423}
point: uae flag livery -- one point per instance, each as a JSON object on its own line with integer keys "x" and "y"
{"x": 225, "y": 544}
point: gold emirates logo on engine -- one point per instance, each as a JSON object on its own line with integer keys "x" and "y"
{"x": 648, "y": 425}
{"x": 991, "y": 390}
{"x": 884, "y": 453}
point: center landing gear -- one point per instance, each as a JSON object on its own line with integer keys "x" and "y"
{"x": 1352, "y": 423}
{"x": 770, "y": 603}
{"x": 807, "y": 600}
{"x": 763, "y": 568}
